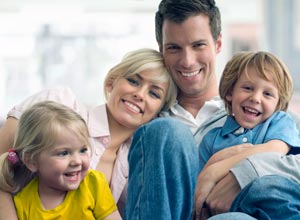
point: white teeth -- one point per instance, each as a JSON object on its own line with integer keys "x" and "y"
{"x": 190, "y": 74}
{"x": 133, "y": 107}
{"x": 251, "y": 110}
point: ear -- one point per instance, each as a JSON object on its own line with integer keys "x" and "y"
{"x": 229, "y": 97}
{"x": 30, "y": 163}
{"x": 109, "y": 85}
{"x": 219, "y": 44}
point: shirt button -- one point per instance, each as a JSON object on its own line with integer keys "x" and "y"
{"x": 105, "y": 141}
{"x": 245, "y": 140}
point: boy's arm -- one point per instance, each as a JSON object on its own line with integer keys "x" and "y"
{"x": 7, "y": 207}
{"x": 213, "y": 173}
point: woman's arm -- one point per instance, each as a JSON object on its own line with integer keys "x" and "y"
{"x": 7, "y": 207}
{"x": 7, "y": 134}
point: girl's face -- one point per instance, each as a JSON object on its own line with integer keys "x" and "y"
{"x": 62, "y": 167}
{"x": 136, "y": 99}
{"x": 253, "y": 100}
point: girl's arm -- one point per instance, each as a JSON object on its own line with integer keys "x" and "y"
{"x": 7, "y": 134}
{"x": 7, "y": 207}
{"x": 214, "y": 172}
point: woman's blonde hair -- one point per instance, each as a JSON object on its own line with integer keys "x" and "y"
{"x": 140, "y": 60}
{"x": 264, "y": 64}
{"x": 38, "y": 129}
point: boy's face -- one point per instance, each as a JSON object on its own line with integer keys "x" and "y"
{"x": 253, "y": 100}
{"x": 190, "y": 54}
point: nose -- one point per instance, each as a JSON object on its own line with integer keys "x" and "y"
{"x": 139, "y": 94}
{"x": 187, "y": 58}
{"x": 75, "y": 159}
{"x": 255, "y": 97}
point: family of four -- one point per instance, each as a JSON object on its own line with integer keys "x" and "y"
{"x": 170, "y": 143}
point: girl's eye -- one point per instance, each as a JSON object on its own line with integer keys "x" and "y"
{"x": 133, "y": 81}
{"x": 154, "y": 94}
{"x": 63, "y": 153}
{"x": 84, "y": 150}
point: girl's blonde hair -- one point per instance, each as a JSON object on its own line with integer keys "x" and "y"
{"x": 267, "y": 66}
{"x": 140, "y": 60}
{"x": 38, "y": 129}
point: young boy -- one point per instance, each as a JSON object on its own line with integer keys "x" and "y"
{"x": 256, "y": 88}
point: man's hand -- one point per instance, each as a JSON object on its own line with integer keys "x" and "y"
{"x": 221, "y": 197}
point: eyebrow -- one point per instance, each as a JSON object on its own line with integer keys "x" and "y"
{"x": 153, "y": 85}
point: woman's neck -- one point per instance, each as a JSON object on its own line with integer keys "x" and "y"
{"x": 118, "y": 132}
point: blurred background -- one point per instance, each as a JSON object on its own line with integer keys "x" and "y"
{"x": 46, "y": 43}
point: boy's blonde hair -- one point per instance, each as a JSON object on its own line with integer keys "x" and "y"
{"x": 38, "y": 129}
{"x": 263, "y": 62}
{"x": 140, "y": 60}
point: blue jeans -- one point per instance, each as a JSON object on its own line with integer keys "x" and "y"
{"x": 163, "y": 167}
{"x": 269, "y": 198}
{"x": 232, "y": 216}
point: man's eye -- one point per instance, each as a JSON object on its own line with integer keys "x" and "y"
{"x": 172, "y": 48}
{"x": 199, "y": 45}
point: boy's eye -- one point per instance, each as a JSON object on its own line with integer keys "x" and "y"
{"x": 268, "y": 94}
{"x": 247, "y": 87}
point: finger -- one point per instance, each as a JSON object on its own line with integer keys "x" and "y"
{"x": 205, "y": 213}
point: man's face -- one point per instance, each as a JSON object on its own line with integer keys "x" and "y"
{"x": 190, "y": 54}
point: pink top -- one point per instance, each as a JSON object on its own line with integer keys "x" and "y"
{"x": 96, "y": 119}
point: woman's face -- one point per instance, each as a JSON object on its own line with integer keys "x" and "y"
{"x": 136, "y": 99}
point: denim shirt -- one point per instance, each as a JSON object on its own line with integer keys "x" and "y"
{"x": 279, "y": 126}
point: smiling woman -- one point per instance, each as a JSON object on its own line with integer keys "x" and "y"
{"x": 136, "y": 89}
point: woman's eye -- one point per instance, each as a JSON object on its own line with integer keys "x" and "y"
{"x": 155, "y": 95}
{"x": 132, "y": 81}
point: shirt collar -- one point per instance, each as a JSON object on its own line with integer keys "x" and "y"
{"x": 230, "y": 126}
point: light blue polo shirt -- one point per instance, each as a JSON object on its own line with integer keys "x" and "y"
{"x": 279, "y": 126}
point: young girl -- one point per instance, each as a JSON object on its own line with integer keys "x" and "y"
{"x": 52, "y": 152}
{"x": 136, "y": 89}
{"x": 256, "y": 89}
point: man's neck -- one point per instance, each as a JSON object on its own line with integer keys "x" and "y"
{"x": 193, "y": 104}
